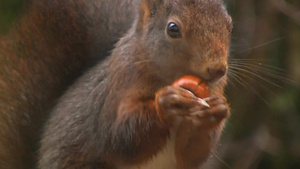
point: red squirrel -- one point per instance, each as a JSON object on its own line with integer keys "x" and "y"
{"x": 124, "y": 112}
{"x": 53, "y": 43}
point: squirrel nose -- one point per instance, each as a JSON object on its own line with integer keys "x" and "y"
{"x": 215, "y": 72}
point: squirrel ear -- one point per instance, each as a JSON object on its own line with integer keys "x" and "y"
{"x": 148, "y": 9}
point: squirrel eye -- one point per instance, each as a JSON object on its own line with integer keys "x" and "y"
{"x": 173, "y": 30}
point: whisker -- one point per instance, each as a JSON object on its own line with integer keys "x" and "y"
{"x": 261, "y": 85}
{"x": 254, "y": 60}
{"x": 262, "y": 65}
{"x": 254, "y": 74}
{"x": 264, "y": 44}
{"x": 265, "y": 71}
{"x": 230, "y": 81}
{"x": 222, "y": 161}
{"x": 248, "y": 87}
{"x": 276, "y": 75}
{"x": 237, "y": 78}
{"x": 143, "y": 61}
{"x": 257, "y": 63}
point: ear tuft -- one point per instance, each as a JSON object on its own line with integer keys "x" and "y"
{"x": 148, "y": 9}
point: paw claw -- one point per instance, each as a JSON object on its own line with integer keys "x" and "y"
{"x": 203, "y": 102}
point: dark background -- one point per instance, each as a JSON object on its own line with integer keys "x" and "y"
{"x": 263, "y": 131}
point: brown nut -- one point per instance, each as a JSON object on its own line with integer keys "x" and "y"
{"x": 194, "y": 84}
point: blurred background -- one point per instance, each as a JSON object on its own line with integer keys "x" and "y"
{"x": 263, "y": 131}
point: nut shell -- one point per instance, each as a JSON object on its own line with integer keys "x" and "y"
{"x": 194, "y": 84}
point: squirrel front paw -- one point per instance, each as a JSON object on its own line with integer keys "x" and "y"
{"x": 212, "y": 116}
{"x": 199, "y": 126}
{"x": 201, "y": 118}
{"x": 173, "y": 103}
{"x": 176, "y": 103}
{"x": 199, "y": 133}
{"x": 185, "y": 99}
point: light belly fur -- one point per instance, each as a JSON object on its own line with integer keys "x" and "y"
{"x": 165, "y": 159}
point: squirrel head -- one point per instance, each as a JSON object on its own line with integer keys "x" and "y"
{"x": 186, "y": 37}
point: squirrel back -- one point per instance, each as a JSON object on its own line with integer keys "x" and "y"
{"x": 54, "y": 42}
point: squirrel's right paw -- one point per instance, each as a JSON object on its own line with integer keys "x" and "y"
{"x": 173, "y": 102}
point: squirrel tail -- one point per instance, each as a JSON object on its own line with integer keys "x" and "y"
{"x": 51, "y": 45}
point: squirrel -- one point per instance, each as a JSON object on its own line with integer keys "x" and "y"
{"x": 123, "y": 113}
{"x": 52, "y": 44}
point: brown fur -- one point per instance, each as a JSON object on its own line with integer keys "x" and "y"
{"x": 121, "y": 112}
{"x": 53, "y": 43}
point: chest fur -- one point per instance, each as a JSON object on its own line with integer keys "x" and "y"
{"x": 163, "y": 159}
